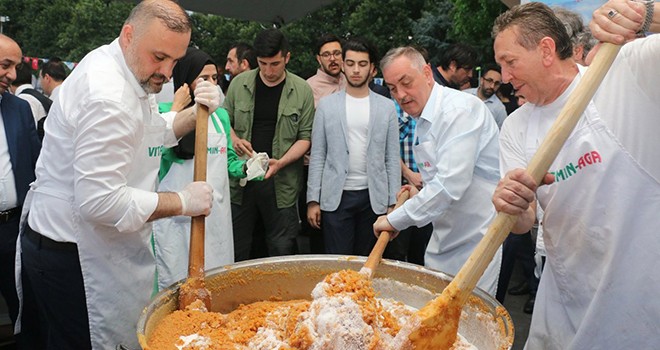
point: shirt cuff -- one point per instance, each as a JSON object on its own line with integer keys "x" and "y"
{"x": 399, "y": 219}
{"x": 142, "y": 206}
{"x": 170, "y": 139}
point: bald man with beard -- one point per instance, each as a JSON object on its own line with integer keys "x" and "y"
{"x": 86, "y": 250}
{"x": 19, "y": 149}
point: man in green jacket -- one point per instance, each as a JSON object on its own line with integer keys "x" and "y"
{"x": 271, "y": 110}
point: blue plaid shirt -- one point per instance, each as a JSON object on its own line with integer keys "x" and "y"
{"x": 406, "y": 138}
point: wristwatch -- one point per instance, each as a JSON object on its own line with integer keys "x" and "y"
{"x": 648, "y": 19}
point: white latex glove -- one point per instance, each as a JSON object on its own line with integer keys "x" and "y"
{"x": 257, "y": 166}
{"x": 196, "y": 199}
{"x": 207, "y": 94}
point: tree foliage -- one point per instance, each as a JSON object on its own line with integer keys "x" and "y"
{"x": 71, "y": 28}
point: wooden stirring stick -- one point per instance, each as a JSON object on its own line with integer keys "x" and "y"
{"x": 194, "y": 288}
{"x": 377, "y": 252}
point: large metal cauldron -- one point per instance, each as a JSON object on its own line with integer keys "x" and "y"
{"x": 485, "y": 323}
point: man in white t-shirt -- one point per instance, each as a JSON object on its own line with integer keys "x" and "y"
{"x": 601, "y": 198}
{"x": 354, "y": 171}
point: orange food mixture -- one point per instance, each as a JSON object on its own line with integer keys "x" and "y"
{"x": 236, "y": 329}
{"x": 226, "y": 331}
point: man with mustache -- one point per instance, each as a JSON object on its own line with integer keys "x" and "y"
{"x": 86, "y": 251}
{"x": 354, "y": 171}
{"x": 456, "y": 152}
{"x": 328, "y": 78}
{"x": 490, "y": 82}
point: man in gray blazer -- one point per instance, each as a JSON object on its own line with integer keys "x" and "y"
{"x": 354, "y": 171}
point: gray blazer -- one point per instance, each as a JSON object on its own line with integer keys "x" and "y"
{"x": 328, "y": 165}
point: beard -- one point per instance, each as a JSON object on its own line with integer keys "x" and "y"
{"x": 487, "y": 92}
{"x": 151, "y": 87}
{"x": 358, "y": 84}
{"x": 134, "y": 65}
{"x": 329, "y": 69}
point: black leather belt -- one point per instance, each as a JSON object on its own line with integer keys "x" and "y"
{"x": 6, "y": 215}
{"x": 44, "y": 242}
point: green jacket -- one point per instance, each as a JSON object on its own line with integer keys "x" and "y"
{"x": 234, "y": 164}
{"x": 295, "y": 116}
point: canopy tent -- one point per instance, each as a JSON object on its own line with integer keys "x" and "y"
{"x": 277, "y": 12}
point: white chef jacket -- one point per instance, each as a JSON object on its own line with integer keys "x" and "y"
{"x": 96, "y": 178}
{"x": 599, "y": 286}
{"x": 456, "y": 151}
{"x": 95, "y": 129}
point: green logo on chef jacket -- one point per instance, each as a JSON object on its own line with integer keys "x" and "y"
{"x": 156, "y": 151}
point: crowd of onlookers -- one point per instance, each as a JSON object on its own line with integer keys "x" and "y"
{"x": 99, "y": 166}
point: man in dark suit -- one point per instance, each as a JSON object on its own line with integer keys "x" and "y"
{"x": 19, "y": 149}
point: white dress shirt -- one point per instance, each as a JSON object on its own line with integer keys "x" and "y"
{"x": 456, "y": 151}
{"x": 8, "y": 196}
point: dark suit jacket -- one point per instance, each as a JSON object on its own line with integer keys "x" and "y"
{"x": 22, "y": 140}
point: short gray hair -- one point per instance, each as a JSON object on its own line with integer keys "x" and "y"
{"x": 169, "y": 12}
{"x": 416, "y": 58}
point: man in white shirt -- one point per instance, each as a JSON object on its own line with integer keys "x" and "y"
{"x": 488, "y": 85}
{"x": 600, "y": 199}
{"x": 354, "y": 169}
{"x": 457, "y": 154}
{"x": 86, "y": 251}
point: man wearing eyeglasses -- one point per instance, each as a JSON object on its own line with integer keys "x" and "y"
{"x": 328, "y": 78}
{"x": 488, "y": 85}
{"x": 354, "y": 171}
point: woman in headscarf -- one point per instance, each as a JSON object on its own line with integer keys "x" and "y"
{"x": 172, "y": 235}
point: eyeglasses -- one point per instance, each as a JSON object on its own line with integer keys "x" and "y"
{"x": 490, "y": 81}
{"x": 327, "y": 54}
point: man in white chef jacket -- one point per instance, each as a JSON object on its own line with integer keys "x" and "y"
{"x": 86, "y": 249}
{"x": 457, "y": 155}
{"x": 601, "y": 200}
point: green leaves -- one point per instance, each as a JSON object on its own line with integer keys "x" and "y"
{"x": 71, "y": 28}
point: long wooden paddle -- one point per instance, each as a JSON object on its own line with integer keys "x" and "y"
{"x": 441, "y": 316}
{"x": 377, "y": 251}
{"x": 194, "y": 287}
